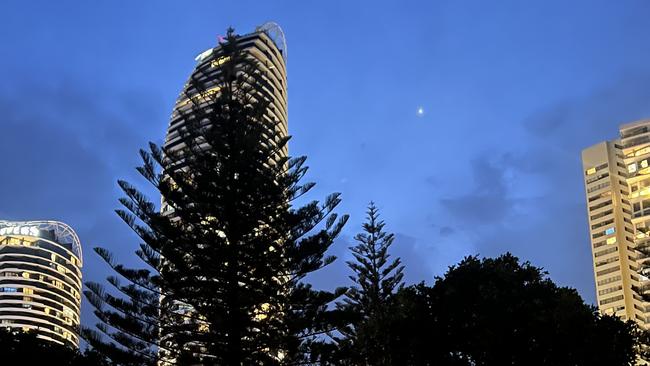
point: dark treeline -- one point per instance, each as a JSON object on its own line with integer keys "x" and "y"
{"x": 21, "y": 348}
{"x": 223, "y": 279}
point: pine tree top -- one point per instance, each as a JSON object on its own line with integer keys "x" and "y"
{"x": 375, "y": 275}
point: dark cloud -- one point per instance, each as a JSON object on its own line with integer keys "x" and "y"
{"x": 55, "y": 175}
{"x": 488, "y": 200}
{"x": 433, "y": 181}
{"x": 531, "y": 202}
{"x": 550, "y": 121}
{"x": 69, "y": 143}
{"x": 577, "y": 123}
{"x": 446, "y": 231}
{"x": 64, "y": 144}
{"x": 536, "y": 159}
{"x": 415, "y": 258}
{"x": 336, "y": 274}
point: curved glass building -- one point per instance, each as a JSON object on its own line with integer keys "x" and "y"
{"x": 267, "y": 46}
{"x": 40, "y": 279}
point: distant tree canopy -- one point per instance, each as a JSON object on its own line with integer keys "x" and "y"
{"x": 498, "y": 311}
{"x": 23, "y": 348}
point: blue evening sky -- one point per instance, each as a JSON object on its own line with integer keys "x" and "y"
{"x": 511, "y": 92}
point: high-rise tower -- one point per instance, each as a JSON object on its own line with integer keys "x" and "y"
{"x": 267, "y": 47}
{"x": 40, "y": 279}
{"x": 617, "y": 184}
{"x": 265, "y": 50}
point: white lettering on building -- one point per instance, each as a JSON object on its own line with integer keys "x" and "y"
{"x": 20, "y": 230}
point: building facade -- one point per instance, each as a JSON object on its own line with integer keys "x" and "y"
{"x": 617, "y": 186}
{"x": 40, "y": 279}
{"x": 266, "y": 47}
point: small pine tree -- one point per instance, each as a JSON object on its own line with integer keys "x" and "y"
{"x": 223, "y": 283}
{"x": 376, "y": 278}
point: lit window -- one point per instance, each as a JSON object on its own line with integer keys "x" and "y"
{"x": 14, "y": 242}
{"x": 611, "y": 240}
{"x": 644, "y": 163}
{"x": 208, "y": 93}
{"x": 25, "y": 275}
{"x": 9, "y": 289}
{"x": 610, "y": 231}
{"x": 631, "y": 168}
{"x": 642, "y": 151}
{"x": 28, "y": 291}
{"x": 591, "y": 171}
{"x": 220, "y": 61}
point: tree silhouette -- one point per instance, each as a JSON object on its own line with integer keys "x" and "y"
{"x": 376, "y": 277}
{"x": 498, "y": 311}
{"x": 226, "y": 260}
{"x": 24, "y": 348}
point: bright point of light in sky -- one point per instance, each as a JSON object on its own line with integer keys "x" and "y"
{"x": 420, "y": 112}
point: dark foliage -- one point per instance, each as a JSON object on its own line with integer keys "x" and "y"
{"x": 225, "y": 261}
{"x": 495, "y": 312}
{"x": 23, "y": 348}
{"x": 376, "y": 277}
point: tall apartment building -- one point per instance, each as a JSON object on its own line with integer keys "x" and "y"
{"x": 617, "y": 187}
{"x": 266, "y": 46}
{"x": 40, "y": 279}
